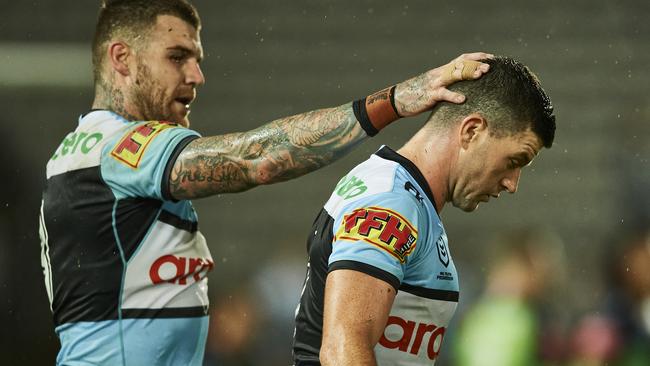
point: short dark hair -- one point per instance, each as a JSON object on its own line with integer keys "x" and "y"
{"x": 134, "y": 18}
{"x": 509, "y": 96}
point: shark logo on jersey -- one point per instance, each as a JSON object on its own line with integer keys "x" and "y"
{"x": 443, "y": 253}
{"x": 381, "y": 227}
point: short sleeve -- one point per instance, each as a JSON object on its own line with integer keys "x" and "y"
{"x": 137, "y": 163}
{"x": 376, "y": 235}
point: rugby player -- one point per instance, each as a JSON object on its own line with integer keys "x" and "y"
{"x": 381, "y": 284}
{"x": 125, "y": 265}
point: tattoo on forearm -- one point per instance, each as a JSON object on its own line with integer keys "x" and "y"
{"x": 413, "y": 95}
{"x": 281, "y": 150}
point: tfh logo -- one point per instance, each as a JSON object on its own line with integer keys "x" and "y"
{"x": 382, "y": 227}
{"x": 182, "y": 268}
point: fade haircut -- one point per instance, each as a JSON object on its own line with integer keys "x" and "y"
{"x": 132, "y": 20}
{"x": 509, "y": 96}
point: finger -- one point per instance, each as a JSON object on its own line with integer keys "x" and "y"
{"x": 470, "y": 70}
{"x": 476, "y": 56}
{"x": 450, "y": 96}
{"x": 463, "y": 70}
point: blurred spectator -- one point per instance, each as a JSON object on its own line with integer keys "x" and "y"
{"x": 233, "y": 321}
{"x": 506, "y": 326}
{"x": 253, "y": 325}
{"x": 621, "y": 336}
{"x": 276, "y": 287}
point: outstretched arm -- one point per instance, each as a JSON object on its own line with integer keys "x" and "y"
{"x": 283, "y": 149}
{"x": 290, "y": 147}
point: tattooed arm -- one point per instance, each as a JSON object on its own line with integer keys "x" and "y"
{"x": 290, "y": 147}
{"x": 283, "y": 149}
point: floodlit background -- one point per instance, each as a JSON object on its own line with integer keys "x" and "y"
{"x": 562, "y": 266}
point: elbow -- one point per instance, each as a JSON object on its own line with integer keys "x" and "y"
{"x": 265, "y": 177}
{"x": 269, "y": 171}
{"x": 327, "y": 355}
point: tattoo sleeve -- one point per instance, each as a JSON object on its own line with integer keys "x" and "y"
{"x": 280, "y": 150}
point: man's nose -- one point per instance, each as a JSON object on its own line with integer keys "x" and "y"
{"x": 194, "y": 75}
{"x": 511, "y": 181}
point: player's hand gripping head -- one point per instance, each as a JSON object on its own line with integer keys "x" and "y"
{"x": 420, "y": 93}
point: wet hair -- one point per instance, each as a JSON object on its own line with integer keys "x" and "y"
{"x": 132, "y": 20}
{"x": 509, "y": 96}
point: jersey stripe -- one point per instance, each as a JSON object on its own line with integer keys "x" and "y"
{"x": 433, "y": 294}
{"x": 175, "y": 221}
{"x": 45, "y": 255}
{"x": 184, "y": 312}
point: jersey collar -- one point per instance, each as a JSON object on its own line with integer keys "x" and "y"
{"x": 387, "y": 153}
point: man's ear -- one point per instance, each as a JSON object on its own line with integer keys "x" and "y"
{"x": 471, "y": 127}
{"x": 119, "y": 54}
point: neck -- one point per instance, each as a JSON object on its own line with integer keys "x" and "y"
{"x": 108, "y": 96}
{"x": 429, "y": 151}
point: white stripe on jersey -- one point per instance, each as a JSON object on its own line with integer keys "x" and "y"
{"x": 45, "y": 255}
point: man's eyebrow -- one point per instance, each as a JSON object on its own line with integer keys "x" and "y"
{"x": 524, "y": 157}
{"x": 187, "y": 51}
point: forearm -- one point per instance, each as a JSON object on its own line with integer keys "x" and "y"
{"x": 280, "y": 150}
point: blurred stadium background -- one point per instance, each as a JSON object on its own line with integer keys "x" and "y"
{"x": 589, "y": 195}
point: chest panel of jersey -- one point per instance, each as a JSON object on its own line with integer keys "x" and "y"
{"x": 121, "y": 261}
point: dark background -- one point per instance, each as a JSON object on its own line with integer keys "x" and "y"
{"x": 266, "y": 60}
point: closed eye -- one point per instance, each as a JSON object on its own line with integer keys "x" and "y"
{"x": 177, "y": 58}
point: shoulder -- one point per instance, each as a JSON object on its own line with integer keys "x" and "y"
{"x": 134, "y": 140}
{"x": 372, "y": 180}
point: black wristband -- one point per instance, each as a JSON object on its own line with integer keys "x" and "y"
{"x": 360, "y": 112}
{"x": 376, "y": 111}
{"x": 392, "y": 100}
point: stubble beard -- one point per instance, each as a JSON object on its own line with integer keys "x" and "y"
{"x": 148, "y": 97}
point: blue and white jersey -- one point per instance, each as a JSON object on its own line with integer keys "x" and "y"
{"x": 381, "y": 220}
{"x": 125, "y": 265}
